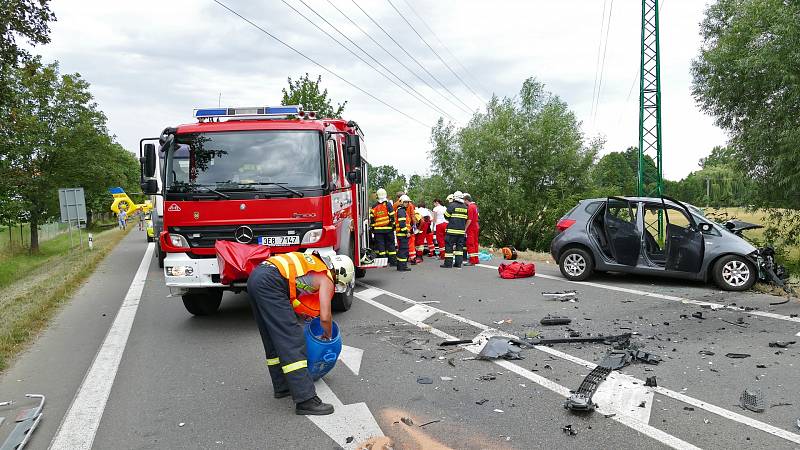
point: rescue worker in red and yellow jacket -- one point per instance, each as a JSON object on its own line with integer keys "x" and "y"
{"x": 282, "y": 288}
{"x": 402, "y": 230}
{"x": 455, "y": 235}
{"x": 382, "y": 222}
{"x": 473, "y": 229}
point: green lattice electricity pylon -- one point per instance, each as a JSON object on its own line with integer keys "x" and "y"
{"x": 651, "y": 182}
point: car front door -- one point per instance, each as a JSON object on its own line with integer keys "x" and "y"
{"x": 619, "y": 223}
{"x": 685, "y": 244}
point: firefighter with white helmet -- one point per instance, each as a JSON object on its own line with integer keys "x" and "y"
{"x": 403, "y": 230}
{"x": 282, "y": 288}
{"x": 382, "y": 221}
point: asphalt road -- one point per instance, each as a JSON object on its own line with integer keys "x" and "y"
{"x": 190, "y": 382}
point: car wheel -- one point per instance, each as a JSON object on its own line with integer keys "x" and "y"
{"x": 202, "y": 303}
{"x": 160, "y": 255}
{"x": 576, "y": 264}
{"x": 734, "y": 273}
{"x": 342, "y": 301}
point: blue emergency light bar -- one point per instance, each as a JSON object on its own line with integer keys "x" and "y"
{"x": 266, "y": 111}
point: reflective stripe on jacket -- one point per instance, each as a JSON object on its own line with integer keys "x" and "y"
{"x": 381, "y": 216}
{"x": 402, "y": 222}
{"x": 456, "y": 216}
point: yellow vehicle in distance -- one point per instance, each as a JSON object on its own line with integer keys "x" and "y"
{"x": 151, "y": 233}
{"x": 123, "y": 202}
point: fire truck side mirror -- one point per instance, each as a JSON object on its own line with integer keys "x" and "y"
{"x": 148, "y": 161}
{"x": 353, "y": 145}
{"x": 149, "y": 186}
{"x": 354, "y": 176}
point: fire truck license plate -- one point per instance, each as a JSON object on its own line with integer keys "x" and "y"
{"x": 279, "y": 241}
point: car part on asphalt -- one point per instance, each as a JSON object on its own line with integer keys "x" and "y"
{"x": 424, "y": 380}
{"x": 737, "y": 355}
{"x": 781, "y": 344}
{"x": 706, "y": 353}
{"x": 407, "y": 421}
{"x": 753, "y": 400}
{"x": 581, "y": 399}
{"x": 624, "y": 338}
{"x": 482, "y": 401}
{"x": 615, "y": 359}
{"x": 431, "y": 422}
{"x": 568, "y": 430}
{"x": 564, "y": 296}
{"x": 27, "y": 421}
{"x": 645, "y": 357}
{"x": 698, "y": 315}
{"x": 555, "y": 320}
{"x": 456, "y": 342}
{"x": 651, "y": 381}
{"x": 500, "y": 347}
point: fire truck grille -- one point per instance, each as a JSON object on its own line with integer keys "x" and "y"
{"x": 206, "y": 236}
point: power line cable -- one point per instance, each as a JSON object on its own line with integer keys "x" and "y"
{"x": 357, "y": 55}
{"x": 435, "y": 52}
{"x": 368, "y": 94}
{"x": 599, "y": 51}
{"x": 392, "y": 55}
{"x": 467, "y": 71}
{"x": 467, "y": 110}
{"x": 603, "y": 64}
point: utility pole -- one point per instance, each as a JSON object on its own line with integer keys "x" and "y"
{"x": 650, "y": 182}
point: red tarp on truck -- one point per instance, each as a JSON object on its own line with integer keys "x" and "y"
{"x": 236, "y": 260}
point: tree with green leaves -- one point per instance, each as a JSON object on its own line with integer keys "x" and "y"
{"x": 522, "y": 159}
{"x": 305, "y": 91}
{"x": 613, "y": 175}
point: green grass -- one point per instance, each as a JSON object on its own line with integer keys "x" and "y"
{"x": 32, "y": 287}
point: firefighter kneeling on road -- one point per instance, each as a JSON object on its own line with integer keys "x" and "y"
{"x": 281, "y": 288}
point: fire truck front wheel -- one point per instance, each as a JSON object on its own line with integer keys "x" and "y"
{"x": 202, "y": 302}
{"x": 342, "y": 301}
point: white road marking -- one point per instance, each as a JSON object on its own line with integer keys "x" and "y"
{"x": 625, "y": 394}
{"x": 646, "y": 429}
{"x": 371, "y": 293}
{"x": 79, "y": 426}
{"x": 664, "y": 297}
{"x": 419, "y": 312}
{"x": 798, "y": 333}
{"x": 354, "y": 420}
{"x": 351, "y": 357}
{"x": 765, "y": 427}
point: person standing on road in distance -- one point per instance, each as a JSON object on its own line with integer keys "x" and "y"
{"x": 440, "y": 223}
{"x": 122, "y": 217}
{"x": 471, "y": 251}
{"x": 402, "y": 231}
{"x": 381, "y": 221}
{"x": 456, "y": 231}
{"x": 141, "y": 220}
{"x": 282, "y": 288}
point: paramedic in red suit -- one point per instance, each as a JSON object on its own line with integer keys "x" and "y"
{"x": 473, "y": 229}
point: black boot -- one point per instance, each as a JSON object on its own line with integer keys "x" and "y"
{"x": 458, "y": 262}
{"x": 313, "y": 407}
{"x": 403, "y": 267}
{"x": 281, "y": 394}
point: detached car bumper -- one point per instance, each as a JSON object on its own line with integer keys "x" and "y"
{"x": 180, "y": 271}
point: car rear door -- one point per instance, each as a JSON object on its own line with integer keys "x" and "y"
{"x": 685, "y": 245}
{"x": 619, "y": 224}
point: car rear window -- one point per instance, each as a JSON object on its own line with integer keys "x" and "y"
{"x": 591, "y": 207}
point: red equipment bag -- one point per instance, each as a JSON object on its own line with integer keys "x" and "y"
{"x": 236, "y": 260}
{"x": 516, "y": 270}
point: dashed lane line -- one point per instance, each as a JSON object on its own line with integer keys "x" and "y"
{"x": 664, "y": 297}
{"x": 644, "y": 428}
{"x": 373, "y": 292}
{"x": 79, "y": 427}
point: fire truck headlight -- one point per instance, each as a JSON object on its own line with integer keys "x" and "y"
{"x": 312, "y": 236}
{"x": 179, "y": 271}
{"x": 178, "y": 241}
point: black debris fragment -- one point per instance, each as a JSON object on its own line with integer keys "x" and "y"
{"x": 646, "y": 357}
{"x": 698, "y": 315}
{"x": 761, "y": 366}
{"x": 482, "y": 401}
{"x": 781, "y": 344}
{"x": 568, "y": 430}
{"x": 651, "y": 381}
{"x": 555, "y": 320}
{"x": 616, "y": 360}
{"x": 753, "y": 400}
{"x": 428, "y": 423}
{"x": 500, "y": 347}
{"x": 581, "y": 399}
{"x": 349, "y": 439}
{"x": 739, "y": 323}
{"x": 624, "y": 339}
{"x": 457, "y": 342}
{"x": 706, "y": 352}
{"x": 488, "y": 377}
{"x": 424, "y": 380}
{"x": 737, "y": 355}
{"x": 688, "y": 408}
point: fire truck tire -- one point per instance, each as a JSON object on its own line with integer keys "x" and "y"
{"x": 343, "y": 301}
{"x": 160, "y": 255}
{"x": 202, "y": 302}
{"x": 361, "y": 273}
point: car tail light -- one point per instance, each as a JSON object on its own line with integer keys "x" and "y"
{"x": 563, "y": 224}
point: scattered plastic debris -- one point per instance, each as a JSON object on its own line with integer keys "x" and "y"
{"x": 424, "y": 380}
{"x": 428, "y": 423}
{"x": 349, "y": 439}
{"x": 651, "y": 382}
{"x": 498, "y": 410}
{"x": 737, "y": 355}
{"x": 555, "y": 320}
{"x": 698, "y": 315}
{"x": 182, "y": 424}
{"x": 407, "y": 421}
{"x": 688, "y": 408}
{"x": 27, "y": 421}
{"x": 739, "y": 323}
{"x": 581, "y": 399}
{"x": 456, "y": 342}
{"x": 706, "y": 353}
{"x": 753, "y": 400}
{"x": 500, "y": 347}
{"x": 564, "y": 296}
{"x": 446, "y": 378}
{"x": 782, "y": 344}
{"x": 616, "y": 360}
{"x": 482, "y": 401}
{"x": 488, "y": 377}
{"x": 568, "y": 430}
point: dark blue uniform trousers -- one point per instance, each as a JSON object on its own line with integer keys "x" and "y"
{"x": 282, "y": 335}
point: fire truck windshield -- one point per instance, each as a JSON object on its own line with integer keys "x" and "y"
{"x": 245, "y": 160}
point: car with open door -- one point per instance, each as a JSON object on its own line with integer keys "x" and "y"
{"x": 657, "y": 236}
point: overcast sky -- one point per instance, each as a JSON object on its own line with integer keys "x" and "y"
{"x": 151, "y": 62}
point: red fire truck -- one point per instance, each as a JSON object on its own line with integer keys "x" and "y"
{"x": 275, "y": 176}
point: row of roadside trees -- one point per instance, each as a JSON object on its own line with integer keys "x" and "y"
{"x": 52, "y": 132}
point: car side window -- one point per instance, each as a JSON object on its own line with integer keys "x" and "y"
{"x": 622, "y": 211}
{"x": 678, "y": 218}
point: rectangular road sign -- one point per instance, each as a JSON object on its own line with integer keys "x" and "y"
{"x": 73, "y": 205}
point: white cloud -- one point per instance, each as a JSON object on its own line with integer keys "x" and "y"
{"x": 150, "y": 62}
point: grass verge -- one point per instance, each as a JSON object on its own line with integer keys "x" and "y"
{"x": 33, "y": 287}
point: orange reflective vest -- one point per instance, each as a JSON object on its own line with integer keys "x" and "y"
{"x": 296, "y": 264}
{"x": 381, "y": 217}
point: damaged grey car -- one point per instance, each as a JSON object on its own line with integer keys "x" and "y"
{"x": 620, "y": 234}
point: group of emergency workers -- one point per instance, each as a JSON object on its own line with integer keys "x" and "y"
{"x": 404, "y": 232}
